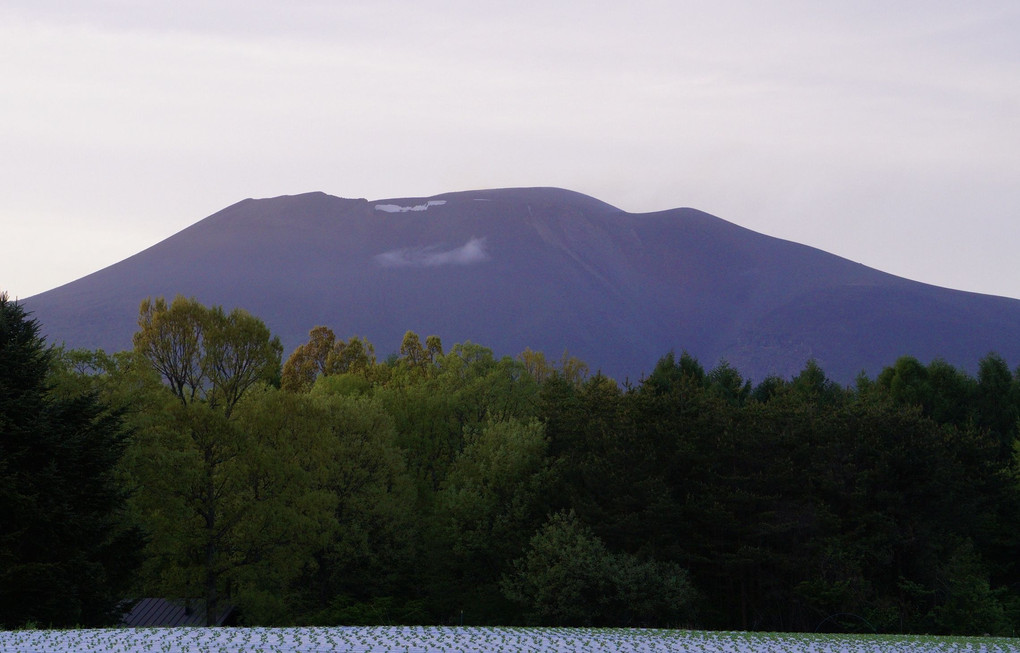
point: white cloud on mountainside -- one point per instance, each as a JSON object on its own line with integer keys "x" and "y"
{"x": 473, "y": 251}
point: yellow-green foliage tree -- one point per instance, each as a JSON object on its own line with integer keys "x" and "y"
{"x": 206, "y": 480}
{"x": 324, "y": 355}
{"x": 204, "y": 354}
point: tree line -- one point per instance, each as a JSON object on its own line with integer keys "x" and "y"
{"x": 450, "y": 486}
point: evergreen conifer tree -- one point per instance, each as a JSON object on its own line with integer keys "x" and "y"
{"x": 66, "y": 556}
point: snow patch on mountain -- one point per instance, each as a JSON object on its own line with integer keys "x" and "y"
{"x": 396, "y": 208}
{"x": 473, "y": 251}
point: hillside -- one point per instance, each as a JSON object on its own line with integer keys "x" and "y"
{"x": 543, "y": 268}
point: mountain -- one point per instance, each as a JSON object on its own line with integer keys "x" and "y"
{"x": 543, "y": 268}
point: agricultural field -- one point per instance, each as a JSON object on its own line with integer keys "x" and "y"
{"x": 470, "y": 640}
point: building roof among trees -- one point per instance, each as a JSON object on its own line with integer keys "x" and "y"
{"x": 165, "y": 612}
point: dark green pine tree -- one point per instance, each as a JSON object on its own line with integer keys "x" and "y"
{"x": 66, "y": 555}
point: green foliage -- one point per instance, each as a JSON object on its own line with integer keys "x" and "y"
{"x": 413, "y": 356}
{"x": 205, "y": 354}
{"x": 342, "y": 384}
{"x": 295, "y": 496}
{"x": 812, "y": 384}
{"x": 185, "y": 466}
{"x": 310, "y": 360}
{"x": 322, "y": 356}
{"x": 372, "y": 550}
{"x": 66, "y": 551}
{"x": 968, "y": 606}
{"x": 562, "y": 578}
{"x": 726, "y": 383}
{"x": 494, "y": 483}
{"x": 670, "y": 373}
{"x": 376, "y": 611}
{"x": 569, "y": 368}
{"x": 489, "y": 503}
{"x": 568, "y": 577}
{"x": 452, "y": 486}
{"x": 435, "y": 411}
{"x": 209, "y": 518}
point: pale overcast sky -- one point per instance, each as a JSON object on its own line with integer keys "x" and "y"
{"x": 886, "y": 132}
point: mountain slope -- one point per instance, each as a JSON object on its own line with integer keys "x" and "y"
{"x": 542, "y": 268}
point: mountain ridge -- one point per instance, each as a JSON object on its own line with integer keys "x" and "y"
{"x": 545, "y": 268}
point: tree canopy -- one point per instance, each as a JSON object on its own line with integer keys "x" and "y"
{"x": 450, "y": 485}
{"x": 67, "y": 552}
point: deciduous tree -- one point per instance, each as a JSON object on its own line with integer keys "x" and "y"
{"x": 206, "y": 354}
{"x": 209, "y": 360}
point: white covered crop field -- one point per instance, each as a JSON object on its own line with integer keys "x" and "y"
{"x": 436, "y": 639}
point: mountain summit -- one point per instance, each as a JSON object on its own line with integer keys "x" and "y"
{"x": 543, "y": 268}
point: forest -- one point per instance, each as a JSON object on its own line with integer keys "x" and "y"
{"x": 444, "y": 485}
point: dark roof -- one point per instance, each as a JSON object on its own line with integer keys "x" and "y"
{"x": 166, "y": 612}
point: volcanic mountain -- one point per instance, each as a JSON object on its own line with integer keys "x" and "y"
{"x": 543, "y": 268}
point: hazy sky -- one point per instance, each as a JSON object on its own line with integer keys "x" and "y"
{"x": 886, "y": 132}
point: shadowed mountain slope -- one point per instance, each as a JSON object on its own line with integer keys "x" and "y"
{"x": 543, "y": 268}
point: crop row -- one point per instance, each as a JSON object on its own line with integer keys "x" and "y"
{"x": 469, "y": 640}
